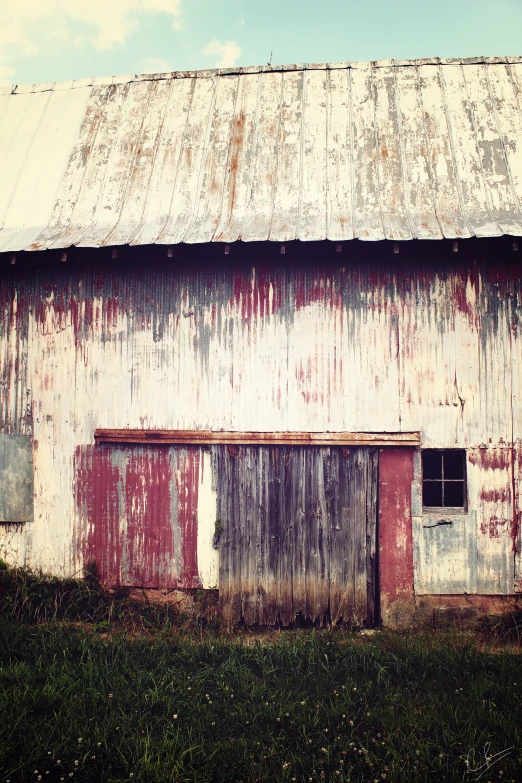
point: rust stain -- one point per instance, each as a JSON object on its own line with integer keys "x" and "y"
{"x": 491, "y": 527}
{"x": 491, "y": 458}
{"x": 502, "y": 495}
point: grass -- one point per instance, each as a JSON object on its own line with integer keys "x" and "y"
{"x": 95, "y": 702}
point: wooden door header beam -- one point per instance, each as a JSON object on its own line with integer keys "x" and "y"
{"x": 206, "y": 437}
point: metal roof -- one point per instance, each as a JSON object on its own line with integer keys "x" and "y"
{"x": 386, "y": 150}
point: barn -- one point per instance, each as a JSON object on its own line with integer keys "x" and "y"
{"x": 261, "y": 331}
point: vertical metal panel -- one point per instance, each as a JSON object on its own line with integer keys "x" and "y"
{"x": 285, "y": 215}
{"x": 368, "y": 218}
{"x": 474, "y": 199}
{"x": 396, "y": 506}
{"x": 194, "y": 153}
{"x": 208, "y": 206}
{"x": 142, "y": 155}
{"x": 340, "y": 174}
{"x": 138, "y": 511}
{"x": 314, "y": 152}
{"x": 289, "y": 546}
{"x": 265, "y": 161}
{"x": 390, "y": 159}
{"x": 417, "y": 175}
{"x": 238, "y": 186}
{"x": 442, "y": 166}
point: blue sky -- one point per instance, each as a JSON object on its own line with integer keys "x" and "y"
{"x": 56, "y": 40}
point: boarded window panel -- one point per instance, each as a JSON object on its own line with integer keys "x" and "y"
{"x": 16, "y": 478}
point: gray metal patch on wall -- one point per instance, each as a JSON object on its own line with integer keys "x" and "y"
{"x": 16, "y": 478}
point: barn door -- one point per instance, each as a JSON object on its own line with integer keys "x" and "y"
{"x": 298, "y": 533}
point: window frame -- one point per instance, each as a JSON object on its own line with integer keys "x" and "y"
{"x": 445, "y": 509}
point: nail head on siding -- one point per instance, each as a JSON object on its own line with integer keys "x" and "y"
{"x": 64, "y": 257}
{"x": 455, "y": 247}
{"x": 114, "y": 252}
{"x": 515, "y": 245}
{"x": 169, "y": 252}
{"x": 396, "y": 247}
{"x": 227, "y": 250}
{"x": 283, "y": 249}
{"x": 13, "y": 259}
{"x": 338, "y": 248}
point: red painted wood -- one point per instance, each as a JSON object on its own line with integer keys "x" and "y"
{"x": 395, "y": 529}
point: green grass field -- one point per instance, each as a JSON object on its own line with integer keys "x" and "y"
{"x": 94, "y": 702}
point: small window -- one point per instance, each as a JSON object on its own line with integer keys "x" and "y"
{"x": 444, "y": 479}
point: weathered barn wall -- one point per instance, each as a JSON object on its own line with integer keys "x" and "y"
{"x": 343, "y": 346}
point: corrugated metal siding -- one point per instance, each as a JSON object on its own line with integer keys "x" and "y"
{"x": 274, "y": 348}
{"x": 138, "y": 513}
{"x": 386, "y": 150}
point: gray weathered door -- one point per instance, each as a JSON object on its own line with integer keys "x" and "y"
{"x": 298, "y": 533}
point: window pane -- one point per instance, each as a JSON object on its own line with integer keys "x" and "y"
{"x": 432, "y": 493}
{"x": 453, "y": 465}
{"x": 431, "y": 465}
{"x": 454, "y": 493}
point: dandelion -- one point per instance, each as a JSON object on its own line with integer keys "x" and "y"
{"x": 323, "y": 750}
{"x": 175, "y": 717}
{"x": 79, "y": 739}
{"x": 76, "y": 763}
{"x": 213, "y": 722}
{"x": 286, "y": 714}
{"x": 367, "y": 714}
{"x": 278, "y": 720}
{"x": 286, "y": 764}
{"x": 98, "y": 744}
{"x": 355, "y": 689}
{"x": 110, "y": 695}
{"x": 351, "y": 723}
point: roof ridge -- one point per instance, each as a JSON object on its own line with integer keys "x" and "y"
{"x": 15, "y": 89}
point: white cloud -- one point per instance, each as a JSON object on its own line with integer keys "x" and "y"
{"x": 227, "y": 52}
{"x": 28, "y": 25}
{"x": 155, "y": 65}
